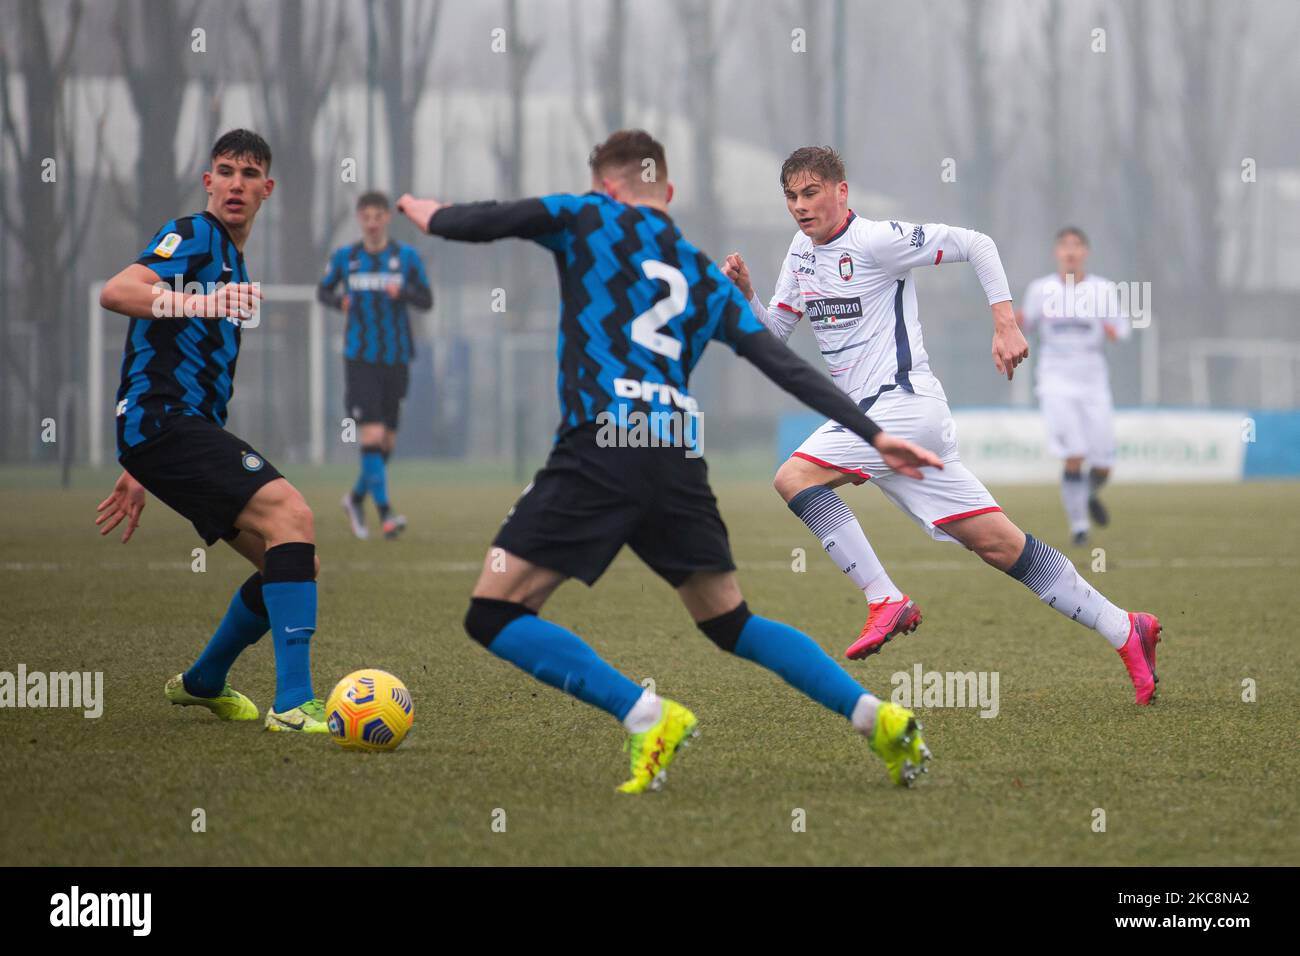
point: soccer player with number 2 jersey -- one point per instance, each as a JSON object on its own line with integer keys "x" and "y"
{"x": 639, "y": 304}
{"x": 852, "y": 279}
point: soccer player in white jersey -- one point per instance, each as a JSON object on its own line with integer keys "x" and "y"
{"x": 852, "y": 278}
{"x": 1074, "y": 314}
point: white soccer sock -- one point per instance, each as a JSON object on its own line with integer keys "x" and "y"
{"x": 1074, "y": 495}
{"x": 645, "y": 713}
{"x": 828, "y": 517}
{"x": 864, "y": 714}
{"x": 1053, "y": 577}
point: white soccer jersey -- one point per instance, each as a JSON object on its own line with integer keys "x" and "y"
{"x": 858, "y": 293}
{"x": 1071, "y": 319}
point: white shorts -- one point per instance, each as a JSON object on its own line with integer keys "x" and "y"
{"x": 941, "y": 496}
{"x": 1080, "y": 424}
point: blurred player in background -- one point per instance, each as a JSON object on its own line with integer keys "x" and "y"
{"x": 1074, "y": 314}
{"x": 379, "y": 279}
{"x": 852, "y": 278}
{"x": 178, "y": 375}
{"x": 639, "y": 304}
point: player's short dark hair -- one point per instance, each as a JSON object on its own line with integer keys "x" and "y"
{"x": 819, "y": 161}
{"x": 1073, "y": 231}
{"x": 373, "y": 198}
{"x": 243, "y": 144}
{"x": 628, "y": 149}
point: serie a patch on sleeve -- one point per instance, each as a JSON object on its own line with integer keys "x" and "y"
{"x": 168, "y": 245}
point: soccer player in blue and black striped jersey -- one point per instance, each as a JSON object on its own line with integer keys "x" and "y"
{"x": 374, "y": 281}
{"x": 639, "y": 306}
{"x": 189, "y": 298}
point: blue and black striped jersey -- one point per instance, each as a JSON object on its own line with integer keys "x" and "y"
{"x": 378, "y": 329}
{"x": 181, "y": 365}
{"x": 622, "y": 343}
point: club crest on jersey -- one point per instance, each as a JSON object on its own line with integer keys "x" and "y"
{"x": 168, "y": 245}
{"x": 393, "y": 263}
{"x": 253, "y": 462}
{"x": 846, "y": 267}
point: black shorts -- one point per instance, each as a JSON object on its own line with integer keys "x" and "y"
{"x": 588, "y": 501}
{"x": 200, "y": 471}
{"x": 373, "y": 393}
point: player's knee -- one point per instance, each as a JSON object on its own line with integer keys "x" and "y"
{"x": 724, "y": 630}
{"x": 315, "y": 571}
{"x": 999, "y": 553}
{"x": 789, "y": 480}
{"x": 488, "y": 617}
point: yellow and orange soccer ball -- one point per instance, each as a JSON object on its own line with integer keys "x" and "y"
{"x": 369, "y": 710}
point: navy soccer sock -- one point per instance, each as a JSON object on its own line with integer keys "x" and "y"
{"x": 375, "y": 473}
{"x": 555, "y": 656}
{"x": 243, "y": 626}
{"x": 798, "y": 659}
{"x": 790, "y": 653}
{"x": 289, "y": 589}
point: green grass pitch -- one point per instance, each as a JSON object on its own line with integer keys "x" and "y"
{"x": 1202, "y": 777}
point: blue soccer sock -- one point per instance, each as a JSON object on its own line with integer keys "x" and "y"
{"x": 560, "y": 658}
{"x": 289, "y": 589}
{"x": 375, "y": 473}
{"x": 243, "y": 626}
{"x": 791, "y": 654}
{"x": 362, "y": 484}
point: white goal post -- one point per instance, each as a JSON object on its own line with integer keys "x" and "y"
{"x": 1276, "y": 360}
{"x": 99, "y": 401}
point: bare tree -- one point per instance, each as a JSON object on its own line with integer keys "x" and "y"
{"x": 509, "y": 149}
{"x": 701, "y": 106}
{"x": 971, "y": 102}
{"x": 153, "y": 43}
{"x": 43, "y": 212}
{"x": 609, "y": 79}
{"x": 407, "y": 45}
{"x": 295, "y": 76}
{"x": 1211, "y": 50}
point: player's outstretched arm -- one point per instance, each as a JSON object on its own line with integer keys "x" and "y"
{"x": 794, "y": 375}
{"x": 125, "y": 501}
{"x": 137, "y": 292}
{"x": 480, "y": 221}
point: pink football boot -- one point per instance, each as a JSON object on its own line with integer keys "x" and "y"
{"x": 1139, "y": 654}
{"x": 886, "y": 619}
